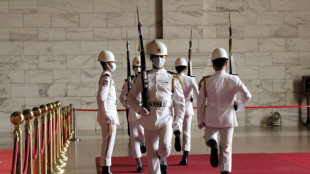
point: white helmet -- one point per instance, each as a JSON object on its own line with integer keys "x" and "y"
{"x": 136, "y": 61}
{"x": 180, "y": 62}
{"x": 158, "y": 48}
{"x": 218, "y": 53}
{"x": 106, "y": 56}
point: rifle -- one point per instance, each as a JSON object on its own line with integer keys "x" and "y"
{"x": 143, "y": 66}
{"x": 128, "y": 80}
{"x": 189, "y": 64}
{"x": 231, "y": 58}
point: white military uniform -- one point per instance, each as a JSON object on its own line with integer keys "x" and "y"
{"x": 107, "y": 116}
{"x": 136, "y": 130}
{"x": 158, "y": 124}
{"x": 189, "y": 85}
{"x": 219, "y": 115}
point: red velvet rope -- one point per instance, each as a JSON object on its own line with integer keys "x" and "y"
{"x": 14, "y": 161}
{"x": 26, "y": 155}
{"x": 43, "y": 139}
{"x": 49, "y": 131}
{"x": 247, "y": 107}
{"x": 36, "y": 149}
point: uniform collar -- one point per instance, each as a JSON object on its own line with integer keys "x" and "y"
{"x": 159, "y": 70}
{"x": 220, "y": 72}
{"x": 106, "y": 72}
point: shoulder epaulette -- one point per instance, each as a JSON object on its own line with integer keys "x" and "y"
{"x": 107, "y": 75}
{"x": 199, "y": 84}
{"x": 178, "y": 77}
{"x": 171, "y": 72}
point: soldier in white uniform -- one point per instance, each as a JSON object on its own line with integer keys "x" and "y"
{"x": 107, "y": 112}
{"x": 164, "y": 92}
{"x": 137, "y": 140}
{"x": 219, "y": 115}
{"x": 189, "y": 88}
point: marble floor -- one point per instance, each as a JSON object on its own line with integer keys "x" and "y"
{"x": 246, "y": 140}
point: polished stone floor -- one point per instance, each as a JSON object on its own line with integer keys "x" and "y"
{"x": 246, "y": 140}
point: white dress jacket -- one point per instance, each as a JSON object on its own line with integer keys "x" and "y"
{"x": 159, "y": 90}
{"x": 220, "y": 90}
{"x": 106, "y": 99}
{"x": 189, "y": 88}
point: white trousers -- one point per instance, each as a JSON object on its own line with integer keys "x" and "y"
{"x": 158, "y": 144}
{"x": 136, "y": 137}
{"x": 187, "y": 132}
{"x": 225, "y": 145}
{"x": 108, "y": 132}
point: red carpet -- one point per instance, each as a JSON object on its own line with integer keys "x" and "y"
{"x": 255, "y": 163}
{"x": 6, "y": 161}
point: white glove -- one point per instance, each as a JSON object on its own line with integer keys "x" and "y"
{"x": 107, "y": 119}
{"x": 143, "y": 111}
{"x": 201, "y": 125}
{"x": 176, "y": 126}
{"x": 128, "y": 106}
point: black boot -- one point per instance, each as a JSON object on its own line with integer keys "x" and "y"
{"x": 139, "y": 166}
{"x": 142, "y": 147}
{"x": 224, "y": 172}
{"x": 106, "y": 170}
{"x": 163, "y": 165}
{"x": 177, "y": 142}
{"x": 213, "y": 157}
{"x": 184, "y": 158}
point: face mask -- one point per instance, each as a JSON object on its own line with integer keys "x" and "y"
{"x": 137, "y": 70}
{"x": 159, "y": 62}
{"x": 113, "y": 67}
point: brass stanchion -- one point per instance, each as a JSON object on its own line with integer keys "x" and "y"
{"x": 37, "y": 138}
{"x": 56, "y": 167}
{"x": 63, "y": 130}
{"x": 44, "y": 110}
{"x": 17, "y": 118}
{"x": 50, "y": 139}
{"x": 60, "y": 161}
{"x": 28, "y": 115}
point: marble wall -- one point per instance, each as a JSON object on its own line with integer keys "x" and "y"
{"x": 49, "y": 48}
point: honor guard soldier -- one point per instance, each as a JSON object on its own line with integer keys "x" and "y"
{"x": 107, "y": 112}
{"x": 165, "y": 93}
{"x": 219, "y": 115}
{"x": 137, "y": 140}
{"x": 189, "y": 87}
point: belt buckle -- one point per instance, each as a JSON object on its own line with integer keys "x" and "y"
{"x": 157, "y": 104}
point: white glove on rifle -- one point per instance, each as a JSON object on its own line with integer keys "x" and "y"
{"x": 143, "y": 111}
